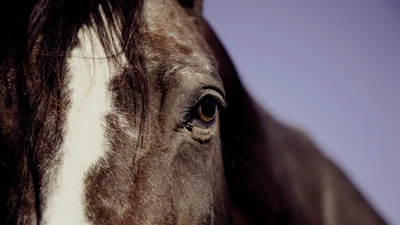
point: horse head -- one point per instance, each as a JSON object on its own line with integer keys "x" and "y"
{"x": 131, "y": 112}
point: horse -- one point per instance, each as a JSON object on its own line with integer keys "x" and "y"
{"x": 132, "y": 112}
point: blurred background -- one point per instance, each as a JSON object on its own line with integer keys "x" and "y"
{"x": 331, "y": 67}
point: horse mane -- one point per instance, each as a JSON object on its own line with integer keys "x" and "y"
{"x": 49, "y": 27}
{"x": 35, "y": 41}
{"x": 44, "y": 31}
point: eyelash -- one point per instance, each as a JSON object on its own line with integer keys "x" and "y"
{"x": 191, "y": 112}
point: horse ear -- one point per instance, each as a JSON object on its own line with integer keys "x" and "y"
{"x": 194, "y": 7}
{"x": 275, "y": 174}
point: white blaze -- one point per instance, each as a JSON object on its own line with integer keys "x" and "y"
{"x": 89, "y": 74}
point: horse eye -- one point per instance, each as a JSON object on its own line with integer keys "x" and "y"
{"x": 207, "y": 110}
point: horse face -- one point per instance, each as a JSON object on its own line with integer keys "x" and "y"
{"x": 109, "y": 115}
{"x": 113, "y": 116}
{"x": 139, "y": 149}
{"x": 163, "y": 164}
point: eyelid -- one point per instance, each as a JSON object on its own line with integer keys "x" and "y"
{"x": 213, "y": 93}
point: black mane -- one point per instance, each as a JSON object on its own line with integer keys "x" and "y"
{"x": 49, "y": 27}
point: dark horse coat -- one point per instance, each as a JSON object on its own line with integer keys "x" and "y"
{"x": 131, "y": 112}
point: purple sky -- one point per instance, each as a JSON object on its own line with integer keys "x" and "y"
{"x": 332, "y": 67}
